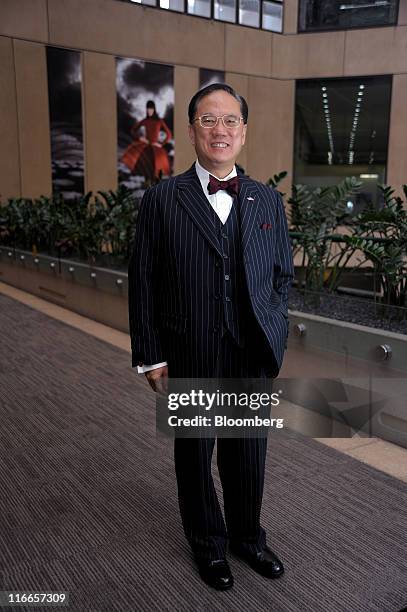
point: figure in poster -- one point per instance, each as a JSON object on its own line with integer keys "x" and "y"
{"x": 146, "y": 155}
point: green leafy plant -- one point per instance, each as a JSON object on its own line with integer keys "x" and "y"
{"x": 377, "y": 235}
{"x": 118, "y": 227}
{"x": 382, "y": 237}
{"x": 276, "y": 179}
{"x": 80, "y": 227}
{"x": 315, "y": 217}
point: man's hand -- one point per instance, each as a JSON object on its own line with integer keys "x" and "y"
{"x": 158, "y": 379}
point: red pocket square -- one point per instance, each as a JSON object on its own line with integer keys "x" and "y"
{"x": 266, "y": 226}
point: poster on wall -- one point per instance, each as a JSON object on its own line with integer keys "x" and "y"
{"x": 207, "y": 77}
{"x": 145, "y": 119}
{"x": 65, "y": 109}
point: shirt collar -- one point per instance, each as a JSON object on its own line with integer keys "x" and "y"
{"x": 203, "y": 175}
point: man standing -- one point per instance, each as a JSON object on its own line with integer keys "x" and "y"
{"x": 208, "y": 283}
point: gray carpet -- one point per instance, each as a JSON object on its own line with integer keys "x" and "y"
{"x": 88, "y": 496}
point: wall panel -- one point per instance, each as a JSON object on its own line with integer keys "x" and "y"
{"x": 270, "y": 136}
{"x": 9, "y": 154}
{"x": 33, "y": 119}
{"x": 186, "y": 84}
{"x": 132, "y": 30}
{"x": 24, "y": 19}
{"x": 240, "y": 83}
{"x": 373, "y": 51}
{"x": 397, "y": 155}
{"x": 248, "y": 50}
{"x": 308, "y": 55}
{"x": 291, "y": 16}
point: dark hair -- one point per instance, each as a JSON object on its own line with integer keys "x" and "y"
{"x": 151, "y": 104}
{"x": 193, "y": 105}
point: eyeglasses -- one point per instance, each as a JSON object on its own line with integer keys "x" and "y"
{"x": 210, "y": 121}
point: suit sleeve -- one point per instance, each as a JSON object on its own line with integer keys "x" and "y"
{"x": 143, "y": 284}
{"x": 283, "y": 258}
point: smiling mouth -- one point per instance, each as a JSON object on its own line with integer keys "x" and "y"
{"x": 219, "y": 145}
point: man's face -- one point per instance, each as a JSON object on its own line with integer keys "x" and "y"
{"x": 217, "y": 148}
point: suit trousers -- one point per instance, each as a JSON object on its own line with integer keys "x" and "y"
{"x": 241, "y": 465}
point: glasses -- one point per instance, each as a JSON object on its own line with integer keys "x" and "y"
{"x": 210, "y": 121}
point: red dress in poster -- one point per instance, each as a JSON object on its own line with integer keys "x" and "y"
{"x": 146, "y": 155}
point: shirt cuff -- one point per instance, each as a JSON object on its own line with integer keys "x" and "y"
{"x": 146, "y": 368}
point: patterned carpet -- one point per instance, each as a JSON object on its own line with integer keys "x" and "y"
{"x": 88, "y": 495}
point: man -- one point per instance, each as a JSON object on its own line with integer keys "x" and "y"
{"x": 208, "y": 283}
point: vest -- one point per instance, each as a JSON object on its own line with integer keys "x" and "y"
{"x": 232, "y": 289}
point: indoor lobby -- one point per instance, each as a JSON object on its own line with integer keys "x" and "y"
{"x": 88, "y": 492}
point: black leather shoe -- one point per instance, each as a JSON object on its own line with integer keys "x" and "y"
{"x": 265, "y": 563}
{"x": 216, "y": 573}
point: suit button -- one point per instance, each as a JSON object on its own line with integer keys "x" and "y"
{"x": 227, "y": 299}
{"x": 216, "y": 329}
{"x": 217, "y": 264}
{"x": 224, "y": 235}
{"x": 216, "y": 297}
{"x": 225, "y": 256}
{"x": 227, "y": 277}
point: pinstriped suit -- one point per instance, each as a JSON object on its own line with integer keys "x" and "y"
{"x": 173, "y": 269}
{"x": 175, "y": 277}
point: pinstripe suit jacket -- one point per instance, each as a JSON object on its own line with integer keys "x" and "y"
{"x": 174, "y": 272}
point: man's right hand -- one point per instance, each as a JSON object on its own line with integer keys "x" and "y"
{"x": 158, "y": 379}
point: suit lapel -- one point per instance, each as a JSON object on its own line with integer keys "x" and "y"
{"x": 249, "y": 200}
{"x": 191, "y": 197}
{"x": 193, "y": 200}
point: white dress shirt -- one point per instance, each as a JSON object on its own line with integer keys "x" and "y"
{"x": 221, "y": 202}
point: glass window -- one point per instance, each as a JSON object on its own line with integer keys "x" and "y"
{"x": 172, "y": 5}
{"x": 225, "y": 10}
{"x": 341, "y": 129}
{"x": 249, "y": 13}
{"x": 199, "y": 7}
{"x": 147, "y": 2}
{"x": 272, "y": 16}
{"x": 337, "y": 15}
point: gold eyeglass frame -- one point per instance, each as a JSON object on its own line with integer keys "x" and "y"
{"x": 228, "y": 127}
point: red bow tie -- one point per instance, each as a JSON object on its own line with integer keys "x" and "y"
{"x": 231, "y": 186}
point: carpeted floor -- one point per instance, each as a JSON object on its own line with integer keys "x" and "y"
{"x": 88, "y": 497}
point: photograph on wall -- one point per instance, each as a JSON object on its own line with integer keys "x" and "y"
{"x": 65, "y": 110}
{"x": 207, "y": 77}
{"x": 145, "y": 121}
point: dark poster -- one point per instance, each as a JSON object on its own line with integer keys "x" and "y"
{"x": 207, "y": 77}
{"x": 65, "y": 109}
{"x": 145, "y": 116}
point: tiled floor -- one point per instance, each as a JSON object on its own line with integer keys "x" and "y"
{"x": 382, "y": 455}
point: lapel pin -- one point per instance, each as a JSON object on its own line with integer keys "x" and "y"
{"x": 250, "y": 198}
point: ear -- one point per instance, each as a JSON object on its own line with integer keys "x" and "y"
{"x": 191, "y": 133}
{"x": 244, "y": 133}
